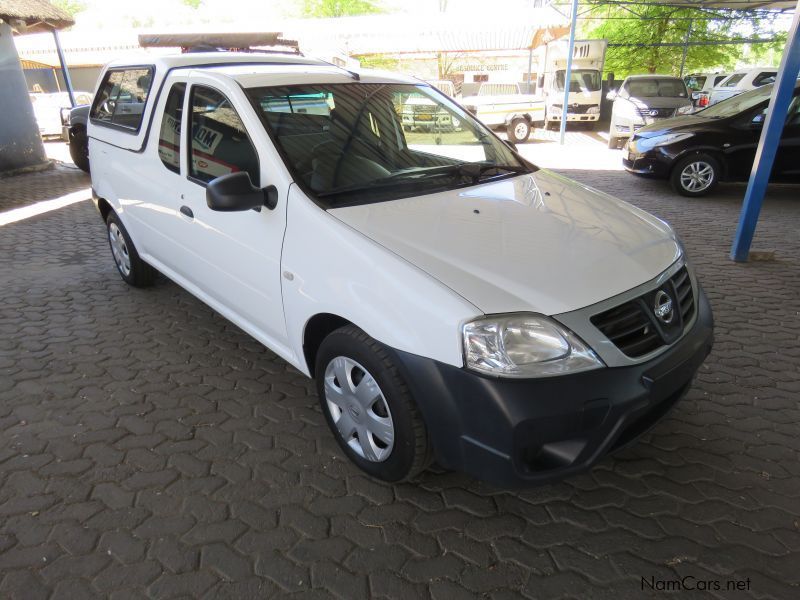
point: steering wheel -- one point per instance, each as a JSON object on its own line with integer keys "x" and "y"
{"x": 109, "y": 106}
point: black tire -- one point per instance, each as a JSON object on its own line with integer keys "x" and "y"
{"x": 411, "y": 450}
{"x": 706, "y": 168}
{"x": 79, "y": 149}
{"x": 519, "y": 130}
{"x": 139, "y": 273}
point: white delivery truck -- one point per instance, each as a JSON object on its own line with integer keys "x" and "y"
{"x": 588, "y": 57}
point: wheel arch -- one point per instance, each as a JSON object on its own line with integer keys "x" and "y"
{"x": 316, "y": 329}
{"x": 711, "y": 151}
{"x": 104, "y": 207}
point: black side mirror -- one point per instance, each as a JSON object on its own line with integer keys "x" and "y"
{"x": 235, "y": 192}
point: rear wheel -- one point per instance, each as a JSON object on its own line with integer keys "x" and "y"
{"x": 369, "y": 407}
{"x": 133, "y": 270}
{"x": 695, "y": 175}
{"x": 79, "y": 149}
{"x": 518, "y": 130}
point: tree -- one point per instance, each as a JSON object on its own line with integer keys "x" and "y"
{"x": 72, "y": 7}
{"x": 339, "y": 8}
{"x": 639, "y": 24}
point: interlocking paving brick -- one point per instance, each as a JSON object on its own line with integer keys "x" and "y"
{"x": 148, "y": 444}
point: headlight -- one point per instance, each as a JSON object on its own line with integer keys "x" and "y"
{"x": 593, "y": 110}
{"x": 627, "y": 109}
{"x": 524, "y": 345}
{"x": 644, "y": 144}
{"x": 685, "y": 110}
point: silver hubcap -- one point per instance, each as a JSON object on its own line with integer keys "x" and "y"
{"x": 358, "y": 409}
{"x": 119, "y": 249}
{"x": 521, "y": 131}
{"x": 697, "y": 176}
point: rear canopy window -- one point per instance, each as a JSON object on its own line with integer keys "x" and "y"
{"x": 764, "y": 78}
{"x": 122, "y": 97}
{"x": 733, "y": 80}
{"x": 664, "y": 88}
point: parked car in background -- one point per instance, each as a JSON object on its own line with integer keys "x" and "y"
{"x": 505, "y": 106}
{"x": 741, "y": 81}
{"x": 718, "y": 143}
{"x": 452, "y": 301}
{"x": 645, "y": 99}
{"x": 700, "y": 86}
{"x": 422, "y": 113}
{"x": 47, "y": 109}
{"x": 73, "y": 131}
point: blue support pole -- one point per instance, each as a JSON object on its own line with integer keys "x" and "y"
{"x": 568, "y": 73}
{"x": 782, "y": 92}
{"x": 64, "y": 69}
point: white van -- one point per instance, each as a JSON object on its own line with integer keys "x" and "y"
{"x": 452, "y": 301}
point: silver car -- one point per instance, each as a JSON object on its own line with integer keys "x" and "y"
{"x": 644, "y": 99}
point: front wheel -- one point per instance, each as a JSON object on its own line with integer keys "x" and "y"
{"x": 518, "y": 130}
{"x": 369, "y": 407}
{"x": 695, "y": 175}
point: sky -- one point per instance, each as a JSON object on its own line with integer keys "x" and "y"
{"x": 252, "y": 14}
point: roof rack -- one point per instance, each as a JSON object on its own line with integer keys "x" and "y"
{"x": 267, "y": 42}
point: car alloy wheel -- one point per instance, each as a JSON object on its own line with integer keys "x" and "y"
{"x": 119, "y": 249}
{"x": 697, "y": 176}
{"x": 358, "y": 409}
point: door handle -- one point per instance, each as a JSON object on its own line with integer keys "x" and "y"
{"x": 185, "y": 210}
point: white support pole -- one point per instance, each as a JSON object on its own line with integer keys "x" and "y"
{"x": 568, "y": 74}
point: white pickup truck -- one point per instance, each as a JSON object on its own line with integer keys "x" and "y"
{"x": 504, "y": 105}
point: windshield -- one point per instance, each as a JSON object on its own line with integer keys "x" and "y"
{"x": 580, "y": 80}
{"x": 652, "y": 88}
{"x": 695, "y": 82}
{"x": 353, "y": 143}
{"x": 736, "y": 104}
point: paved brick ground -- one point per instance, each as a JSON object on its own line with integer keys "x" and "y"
{"x": 150, "y": 449}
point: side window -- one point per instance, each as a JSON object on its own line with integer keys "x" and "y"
{"x": 122, "y": 97}
{"x": 793, "y": 116}
{"x": 219, "y": 143}
{"x": 718, "y": 79}
{"x": 764, "y": 78}
{"x": 169, "y": 139}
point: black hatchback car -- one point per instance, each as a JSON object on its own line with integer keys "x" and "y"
{"x": 718, "y": 143}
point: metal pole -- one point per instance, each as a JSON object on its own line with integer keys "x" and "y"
{"x": 64, "y": 70}
{"x": 568, "y": 74}
{"x": 782, "y": 92}
{"x": 686, "y": 46}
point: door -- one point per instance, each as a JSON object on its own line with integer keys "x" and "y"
{"x": 787, "y": 160}
{"x": 232, "y": 257}
{"x": 161, "y": 181}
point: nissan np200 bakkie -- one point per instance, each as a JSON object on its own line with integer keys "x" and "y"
{"x": 452, "y": 301}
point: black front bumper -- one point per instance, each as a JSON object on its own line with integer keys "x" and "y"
{"x": 514, "y": 432}
{"x": 653, "y": 162}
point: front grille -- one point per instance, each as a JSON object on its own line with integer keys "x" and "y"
{"x": 633, "y": 326}
{"x": 656, "y": 113}
{"x": 576, "y": 109}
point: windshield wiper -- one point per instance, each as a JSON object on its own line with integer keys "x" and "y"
{"x": 464, "y": 169}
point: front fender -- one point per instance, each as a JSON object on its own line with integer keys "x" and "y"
{"x": 329, "y": 267}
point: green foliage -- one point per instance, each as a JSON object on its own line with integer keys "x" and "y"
{"x": 339, "y": 8}
{"x": 195, "y": 4}
{"x": 654, "y": 23}
{"x": 379, "y": 61}
{"x": 72, "y": 7}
